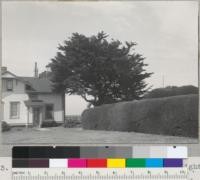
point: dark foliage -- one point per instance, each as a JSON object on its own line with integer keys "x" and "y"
{"x": 45, "y": 74}
{"x": 50, "y": 124}
{"x": 5, "y": 126}
{"x": 99, "y": 70}
{"x": 172, "y": 91}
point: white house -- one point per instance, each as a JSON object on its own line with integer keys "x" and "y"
{"x": 29, "y": 100}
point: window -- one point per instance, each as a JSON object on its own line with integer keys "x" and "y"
{"x": 28, "y": 87}
{"x": 49, "y": 111}
{"x": 33, "y": 96}
{"x": 14, "y": 110}
{"x": 9, "y": 85}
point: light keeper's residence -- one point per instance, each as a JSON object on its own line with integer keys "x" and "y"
{"x": 29, "y": 100}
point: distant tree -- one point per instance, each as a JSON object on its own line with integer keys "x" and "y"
{"x": 172, "y": 91}
{"x": 99, "y": 70}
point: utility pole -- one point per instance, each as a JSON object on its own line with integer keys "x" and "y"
{"x": 163, "y": 81}
{"x": 36, "y": 70}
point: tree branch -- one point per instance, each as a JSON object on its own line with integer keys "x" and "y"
{"x": 86, "y": 99}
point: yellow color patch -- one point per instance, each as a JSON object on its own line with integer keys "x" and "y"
{"x": 116, "y": 163}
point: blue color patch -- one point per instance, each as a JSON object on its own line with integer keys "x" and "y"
{"x": 154, "y": 162}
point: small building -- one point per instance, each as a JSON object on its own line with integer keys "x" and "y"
{"x": 30, "y": 101}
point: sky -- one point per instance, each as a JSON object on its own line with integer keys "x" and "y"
{"x": 166, "y": 33}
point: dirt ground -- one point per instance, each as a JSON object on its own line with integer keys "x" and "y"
{"x": 61, "y": 135}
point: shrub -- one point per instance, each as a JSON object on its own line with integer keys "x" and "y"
{"x": 72, "y": 121}
{"x": 171, "y": 91}
{"x": 5, "y": 126}
{"x": 50, "y": 124}
{"x": 72, "y": 124}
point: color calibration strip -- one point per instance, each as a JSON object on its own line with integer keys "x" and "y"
{"x": 98, "y": 163}
{"x": 68, "y": 152}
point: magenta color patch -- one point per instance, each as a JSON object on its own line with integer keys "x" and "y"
{"x": 77, "y": 163}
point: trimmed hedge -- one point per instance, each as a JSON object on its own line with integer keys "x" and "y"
{"x": 176, "y": 116}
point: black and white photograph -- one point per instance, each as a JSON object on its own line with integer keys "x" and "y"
{"x": 99, "y": 72}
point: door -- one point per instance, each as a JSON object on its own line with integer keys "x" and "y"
{"x": 36, "y": 116}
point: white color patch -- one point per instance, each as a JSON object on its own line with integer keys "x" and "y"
{"x": 58, "y": 163}
{"x": 177, "y": 152}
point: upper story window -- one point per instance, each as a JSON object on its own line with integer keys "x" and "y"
{"x": 9, "y": 85}
{"x": 33, "y": 96}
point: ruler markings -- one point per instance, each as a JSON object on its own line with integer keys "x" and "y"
{"x": 99, "y": 174}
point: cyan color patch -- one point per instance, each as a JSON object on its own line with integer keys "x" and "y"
{"x": 154, "y": 162}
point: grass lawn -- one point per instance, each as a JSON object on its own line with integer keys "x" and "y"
{"x": 61, "y": 135}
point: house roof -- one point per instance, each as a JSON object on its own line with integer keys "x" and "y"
{"x": 39, "y": 85}
{"x": 34, "y": 103}
{"x": 42, "y": 85}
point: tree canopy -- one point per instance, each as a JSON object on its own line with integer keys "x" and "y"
{"x": 101, "y": 71}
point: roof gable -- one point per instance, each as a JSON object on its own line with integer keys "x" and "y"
{"x": 39, "y": 85}
{"x": 8, "y": 74}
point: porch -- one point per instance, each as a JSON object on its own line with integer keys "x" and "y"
{"x": 38, "y": 112}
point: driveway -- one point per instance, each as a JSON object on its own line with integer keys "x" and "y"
{"x": 61, "y": 135}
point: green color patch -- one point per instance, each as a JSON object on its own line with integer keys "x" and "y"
{"x": 138, "y": 162}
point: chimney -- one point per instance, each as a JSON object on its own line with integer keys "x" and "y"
{"x": 3, "y": 69}
{"x": 36, "y": 71}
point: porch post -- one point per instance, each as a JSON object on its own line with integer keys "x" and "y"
{"x": 40, "y": 118}
{"x": 27, "y": 117}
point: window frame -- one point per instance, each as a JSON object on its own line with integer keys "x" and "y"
{"x": 50, "y": 104}
{"x": 33, "y": 96}
{"x": 7, "y": 84}
{"x": 18, "y": 110}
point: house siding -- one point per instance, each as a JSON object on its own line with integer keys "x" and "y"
{"x": 17, "y": 95}
{"x": 20, "y": 95}
{"x": 56, "y": 100}
{"x": 18, "y": 87}
{"x": 24, "y": 118}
